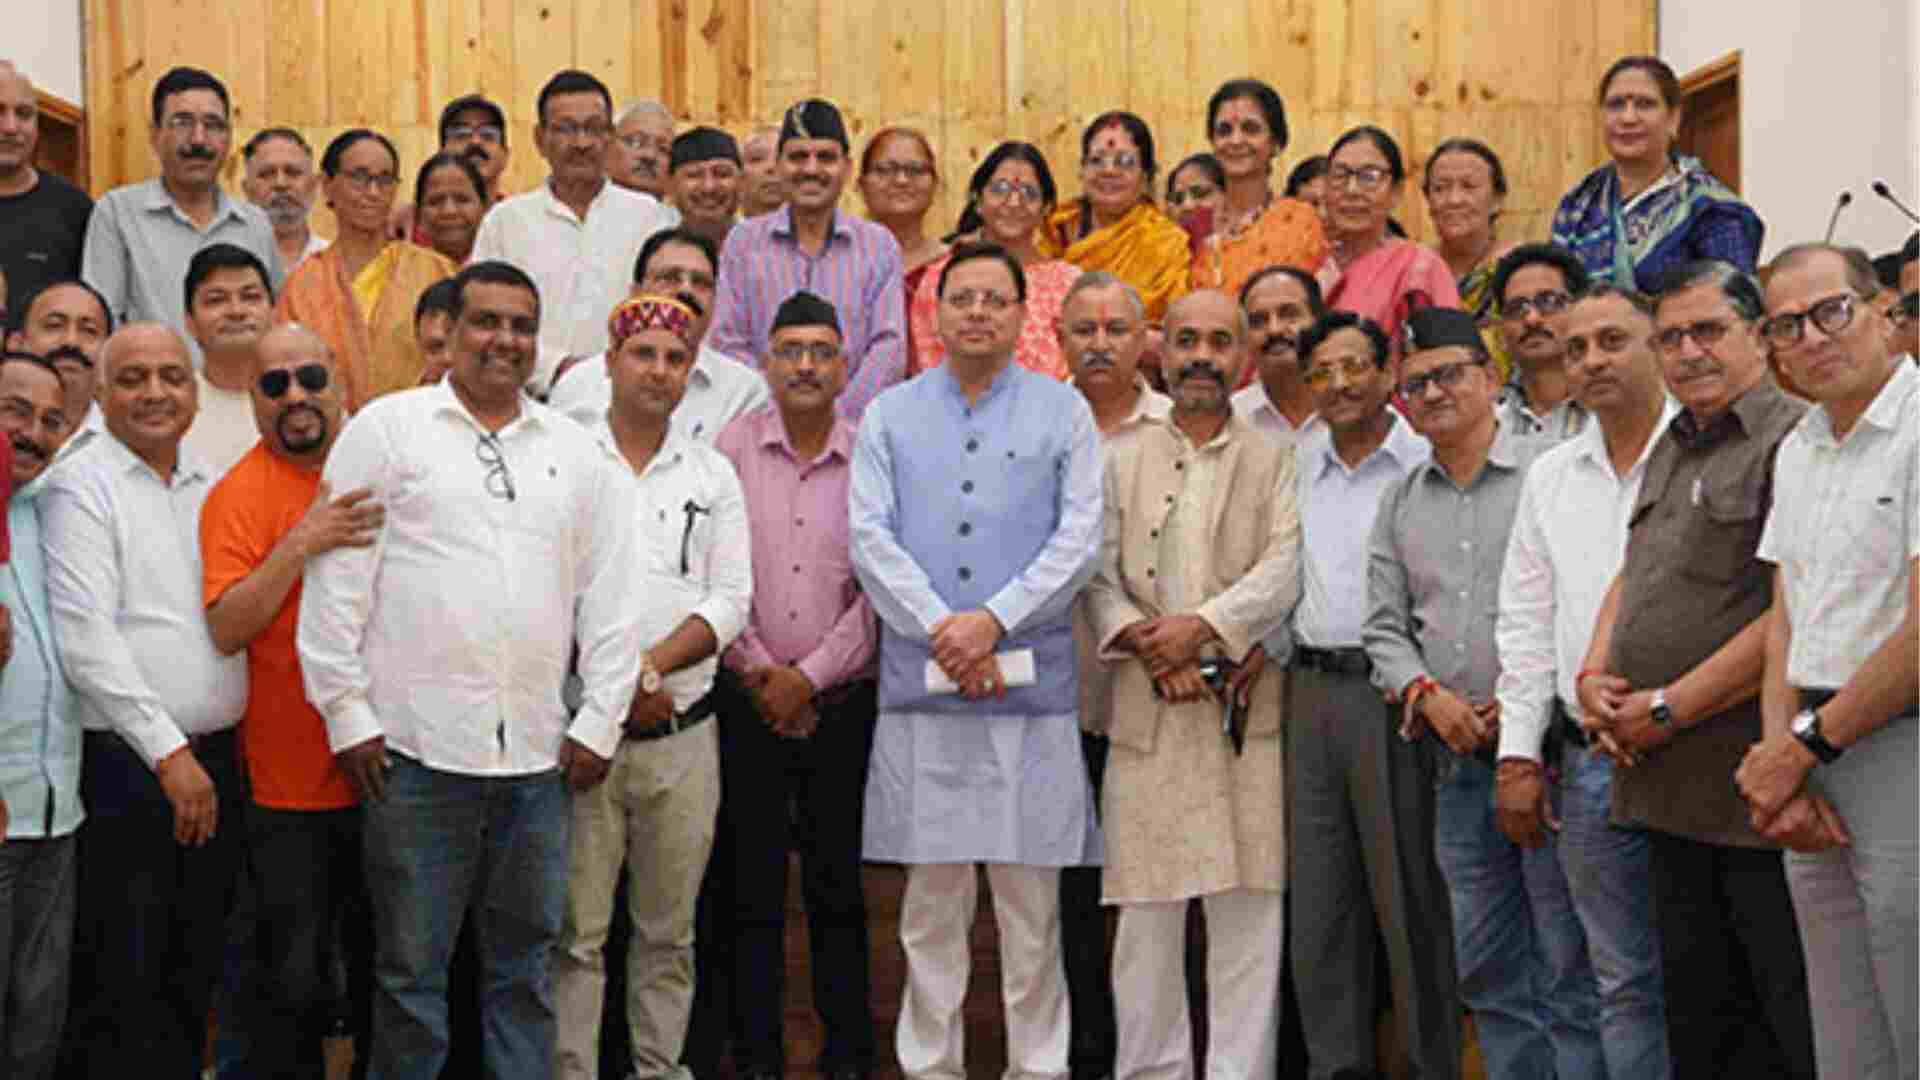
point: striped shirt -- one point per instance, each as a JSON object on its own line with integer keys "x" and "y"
{"x": 859, "y": 272}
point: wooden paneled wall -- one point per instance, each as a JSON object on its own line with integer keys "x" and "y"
{"x": 1519, "y": 74}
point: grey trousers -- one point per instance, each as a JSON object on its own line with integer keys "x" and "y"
{"x": 1362, "y": 854}
{"x": 38, "y": 880}
{"x": 1859, "y": 920}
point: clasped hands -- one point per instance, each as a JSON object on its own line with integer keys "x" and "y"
{"x": 962, "y": 645}
{"x": 784, "y": 697}
{"x": 1169, "y": 645}
{"x": 1619, "y": 719}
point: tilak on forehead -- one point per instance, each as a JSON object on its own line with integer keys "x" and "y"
{"x": 647, "y": 312}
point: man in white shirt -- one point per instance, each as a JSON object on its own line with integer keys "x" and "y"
{"x": 159, "y": 703}
{"x": 229, "y": 308}
{"x": 1834, "y": 778}
{"x": 1361, "y": 799}
{"x": 577, "y": 234}
{"x": 1568, "y": 542}
{"x": 507, "y": 541}
{"x": 1279, "y": 302}
{"x": 678, "y": 263}
{"x": 65, "y": 323}
{"x": 693, "y": 584}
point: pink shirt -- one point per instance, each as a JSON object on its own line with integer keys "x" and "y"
{"x": 808, "y": 609}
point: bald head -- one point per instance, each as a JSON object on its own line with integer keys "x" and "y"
{"x": 297, "y": 403}
{"x": 1206, "y": 349}
{"x": 148, "y": 391}
{"x": 1210, "y": 306}
{"x": 19, "y": 124}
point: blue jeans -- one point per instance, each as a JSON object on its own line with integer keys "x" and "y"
{"x": 437, "y": 843}
{"x": 1518, "y": 946}
{"x": 1609, "y": 875}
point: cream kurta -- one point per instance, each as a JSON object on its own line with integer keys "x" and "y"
{"x": 1183, "y": 815}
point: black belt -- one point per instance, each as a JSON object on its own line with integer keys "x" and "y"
{"x": 1348, "y": 661}
{"x": 1813, "y": 699}
{"x": 675, "y": 724}
{"x": 837, "y": 695}
{"x": 1562, "y": 731}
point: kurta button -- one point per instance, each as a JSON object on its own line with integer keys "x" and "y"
{"x": 1149, "y": 571}
{"x": 1178, "y": 465}
{"x": 965, "y": 574}
{"x": 1154, "y": 535}
{"x": 966, "y": 486}
{"x": 966, "y": 528}
{"x": 972, "y": 445}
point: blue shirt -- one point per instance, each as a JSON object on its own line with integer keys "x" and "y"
{"x": 39, "y": 724}
{"x": 994, "y": 505}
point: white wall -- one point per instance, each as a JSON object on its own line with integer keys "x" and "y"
{"x": 44, "y": 39}
{"x": 1828, "y": 92}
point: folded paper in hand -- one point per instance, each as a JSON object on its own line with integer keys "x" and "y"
{"x": 1016, "y": 667}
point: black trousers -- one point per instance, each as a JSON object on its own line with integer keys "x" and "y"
{"x": 780, "y": 795}
{"x": 149, "y": 940}
{"x": 1084, "y": 951}
{"x": 1736, "y": 978}
{"x": 315, "y": 935}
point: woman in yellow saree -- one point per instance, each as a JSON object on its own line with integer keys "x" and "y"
{"x": 359, "y": 293}
{"x": 1114, "y": 225}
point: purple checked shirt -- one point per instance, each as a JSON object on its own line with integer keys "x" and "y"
{"x": 859, "y": 272}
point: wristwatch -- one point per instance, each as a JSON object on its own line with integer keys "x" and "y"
{"x": 1806, "y": 728}
{"x": 1662, "y": 712}
{"x": 649, "y": 677}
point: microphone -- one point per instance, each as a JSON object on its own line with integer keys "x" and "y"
{"x": 1880, "y": 188}
{"x": 1839, "y": 204}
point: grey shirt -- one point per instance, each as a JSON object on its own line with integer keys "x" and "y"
{"x": 1558, "y": 424}
{"x": 139, "y": 243}
{"x": 1433, "y": 571}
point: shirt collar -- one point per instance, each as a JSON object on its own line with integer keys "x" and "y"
{"x": 1001, "y": 381}
{"x": 1264, "y": 404}
{"x": 838, "y": 225}
{"x": 447, "y": 403}
{"x": 1404, "y": 445}
{"x": 160, "y": 200}
{"x": 1883, "y": 413}
{"x": 1591, "y": 443}
{"x": 187, "y": 466}
{"x": 673, "y": 449}
{"x": 770, "y": 430}
{"x": 551, "y": 203}
{"x": 1504, "y": 455}
{"x": 1747, "y": 413}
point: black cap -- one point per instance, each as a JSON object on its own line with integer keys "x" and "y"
{"x": 1439, "y": 327}
{"x": 702, "y": 144}
{"x": 472, "y": 101}
{"x": 805, "y": 309}
{"x": 814, "y": 118}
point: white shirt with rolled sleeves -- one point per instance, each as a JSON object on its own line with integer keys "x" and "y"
{"x": 1568, "y": 542}
{"x": 1844, "y": 531}
{"x": 719, "y": 388}
{"x": 123, "y": 584}
{"x": 450, "y": 636}
{"x": 715, "y": 580}
{"x": 582, "y": 268}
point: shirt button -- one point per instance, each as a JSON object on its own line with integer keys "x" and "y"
{"x": 966, "y": 528}
{"x": 966, "y": 486}
{"x": 796, "y": 568}
{"x": 799, "y": 521}
{"x": 793, "y": 614}
{"x": 965, "y": 574}
{"x": 1155, "y": 534}
{"x": 1149, "y": 571}
{"x": 1178, "y": 465}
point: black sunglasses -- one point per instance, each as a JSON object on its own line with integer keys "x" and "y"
{"x": 313, "y": 379}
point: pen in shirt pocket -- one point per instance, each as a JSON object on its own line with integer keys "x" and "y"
{"x": 1696, "y": 491}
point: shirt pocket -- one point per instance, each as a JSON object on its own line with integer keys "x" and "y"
{"x": 1723, "y": 528}
{"x": 1871, "y": 537}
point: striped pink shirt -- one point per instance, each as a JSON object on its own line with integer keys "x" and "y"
{"x": 858, "y": 272}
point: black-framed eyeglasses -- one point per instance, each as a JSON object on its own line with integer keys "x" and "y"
{"x": 491, "y": 454}
{"x": 1546, "y": 302}
{"x": 1446, "y": 376}
{"x": 1831, "y": 315}
{"x": 1705, "y": 333}
{"x": 313, "y": 378}
{"x": 820, "y": 352}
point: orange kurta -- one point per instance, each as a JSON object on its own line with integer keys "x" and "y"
{"x": 1287, "y": 233}
{"x": 375, "y": 349}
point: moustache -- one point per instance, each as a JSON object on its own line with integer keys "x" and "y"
{"x": 693, "y": 305}
{"x": 795, "y": 382}
{"x": 67, "y": 352}
{"x": 1198, "y": 369}
{"x": 27, "y": 448}
{"x": 298, "y": 445}
{"x": 1536, "y": 332}
{"x": 1097, "y": 361}
{"x": 197, "y": 153}
{"x": 1280, "y": 343}
{"x": 476, "y": 152}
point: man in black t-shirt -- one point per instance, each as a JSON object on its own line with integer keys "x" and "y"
{"x": 43, "y": 219}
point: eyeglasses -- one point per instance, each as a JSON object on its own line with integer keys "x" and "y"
{"x": 1124, "y": 161}
{"x": 900, "y": 170}
{"x": 592, "y": 129}
{"x": 499, "y": 480}
{"x": 640, "y": 143}
{"x": 1446, "y": 376}
{"x": 1005, "y": 190}
{"x": 967, "y": 299}
{"x": 366, "y": 181}
{"x": 184, "y": 123}
{"x": 1366, "y": 177}
{"x": 1354, "y": 368}
{"x": 1831, "y": 315}
{"x": 674, "y": 278}
{"x": 1610, "y": 340}
{"x": 313, "y": 378}
{"x": 486, "y": 133}
{"x": 820, "y": 352}
{"x": 1706, "y": 334}
{"x": 1546, "y": 302}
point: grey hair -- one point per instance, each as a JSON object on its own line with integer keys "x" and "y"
{"x": 1100, "y": 279}
{"x": 647, "y": 107}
